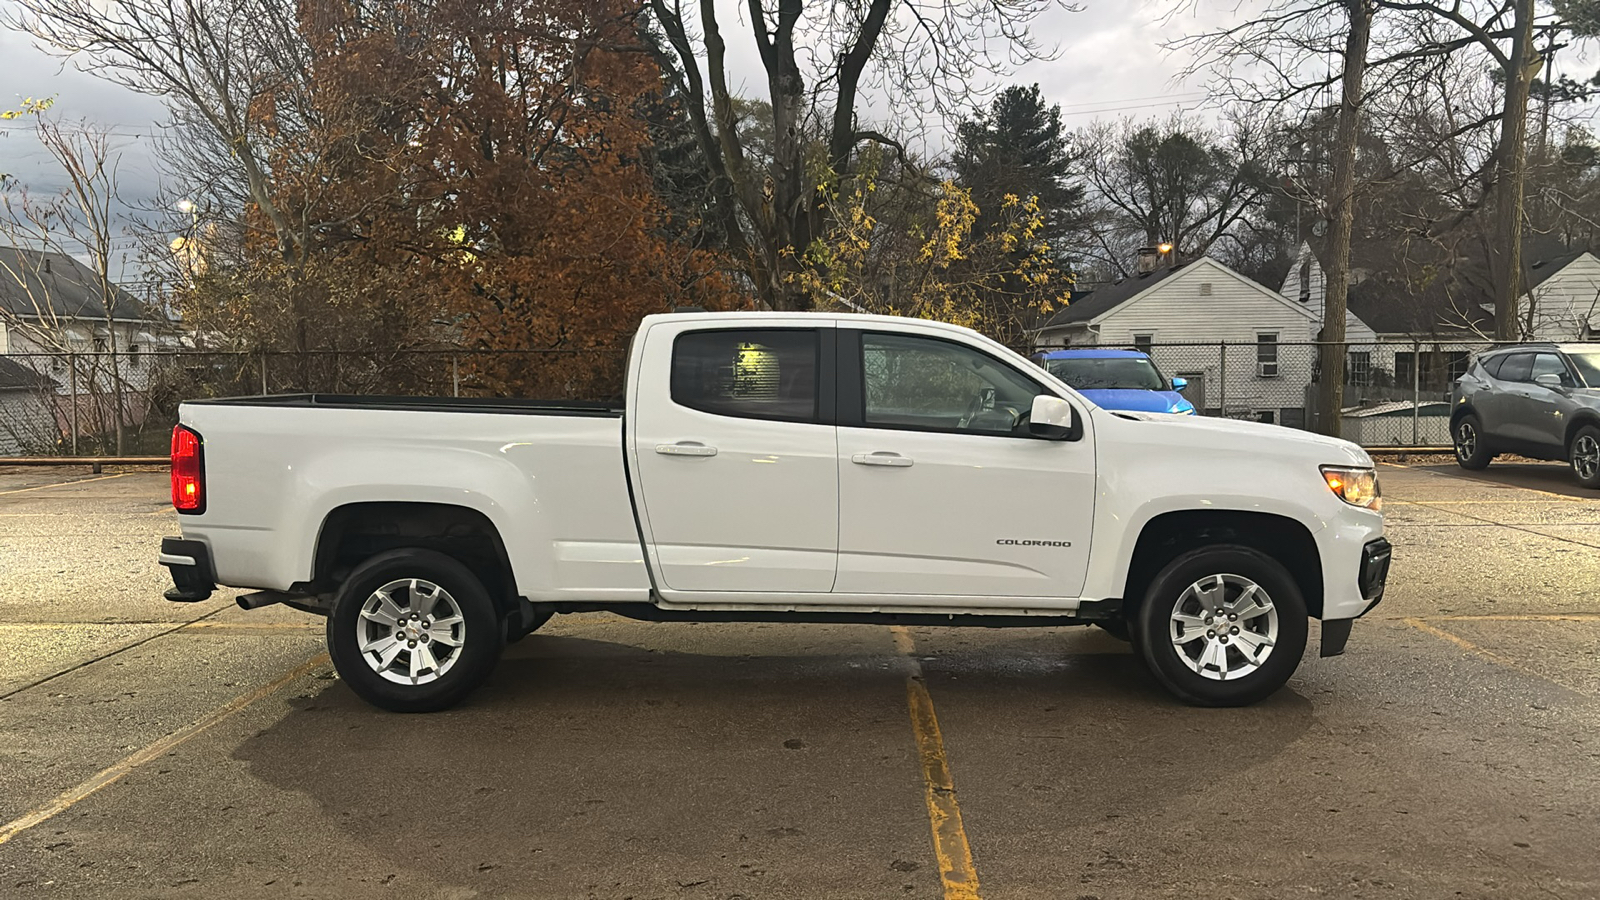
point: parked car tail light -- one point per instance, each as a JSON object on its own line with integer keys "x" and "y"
{"x": 1357, "y": 487}
{"x": 188, "y": 472}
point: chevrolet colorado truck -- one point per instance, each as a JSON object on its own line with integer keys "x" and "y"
{"x": 779, "y": 467}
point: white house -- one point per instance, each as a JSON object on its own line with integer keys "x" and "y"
{"x": 1246, "y": 350}
{"x": 53, "y": 324}
{"x": 1564, "y": 292}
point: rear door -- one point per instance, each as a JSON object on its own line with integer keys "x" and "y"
{"x": 942, "y": 492}
{"x": 1500, "y": 407}
{"x": 734, "y": 456}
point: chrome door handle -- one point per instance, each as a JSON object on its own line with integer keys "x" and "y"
{"x": 881, "y": 458}
{"x": 686, "y": 448}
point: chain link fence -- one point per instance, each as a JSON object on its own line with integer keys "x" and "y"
{"x": 72, "y": 404}
{"x": 1395, "y": 393}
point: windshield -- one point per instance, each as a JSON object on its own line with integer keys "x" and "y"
{"x": 1130, "y": 373}
{"x": 1587, "y": 363}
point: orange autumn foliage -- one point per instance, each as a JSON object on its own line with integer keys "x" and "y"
{"x": 482, "y": 168}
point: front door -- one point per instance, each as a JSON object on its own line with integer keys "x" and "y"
{"x": 735, "y": 458}
{"x": 942, "y": 492}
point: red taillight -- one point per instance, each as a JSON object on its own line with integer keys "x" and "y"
{"x": 188, "y": 476}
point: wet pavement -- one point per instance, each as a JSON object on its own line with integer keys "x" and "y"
{"x": 150, "y": 749}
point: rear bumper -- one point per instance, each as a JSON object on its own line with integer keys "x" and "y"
{"x": 193, "y": 576}
{"x": 1372, "y": 578}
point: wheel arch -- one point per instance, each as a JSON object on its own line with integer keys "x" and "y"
{"x": 1579, "y": 420}
{"x": 1171, "y": 534}
{"x": 358, "y": 531}
{"x": 1461, "y": 411}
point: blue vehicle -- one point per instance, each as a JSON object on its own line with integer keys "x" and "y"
{"x": 1117, "y": 379}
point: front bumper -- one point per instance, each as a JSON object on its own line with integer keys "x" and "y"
{"x": 193, "y": 577}
{"x": 1372, "y": 578}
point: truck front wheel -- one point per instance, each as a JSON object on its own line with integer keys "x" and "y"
{"x": 1223, "y": 625}
{"x": 413, "y": 631}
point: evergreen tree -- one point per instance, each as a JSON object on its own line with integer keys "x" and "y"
{"x": 1018, "y": 147}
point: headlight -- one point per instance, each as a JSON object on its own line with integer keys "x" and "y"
{"x": 1357, "y": 487}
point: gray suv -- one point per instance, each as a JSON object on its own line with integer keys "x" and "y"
{"x": 1538, "y": 400}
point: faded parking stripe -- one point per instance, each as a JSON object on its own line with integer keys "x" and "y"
{"x": 950, "y": 846}
{"x": 115, "y": 773}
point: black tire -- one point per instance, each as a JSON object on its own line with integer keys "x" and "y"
{"x": 481, "y": 632}
{"x": 1581, "y": 455}
{"x": 1471, "y": 451}
{"x": 1117, "y": 628}
{"x": 1166, "y": 661}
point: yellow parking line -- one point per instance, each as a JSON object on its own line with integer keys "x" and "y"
{"x": 112, "y": 775}
{"x": 1530, "y": 617}
{"x": 1489, "y": 655}
{"x": 950, "y": 846}
{"x": 1515, "y": 487}
{"x": 1487, "y": 502}
{"x": 64, "y": 483}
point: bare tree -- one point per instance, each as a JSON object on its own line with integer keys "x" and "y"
{"x": 1176, "y": 182}
{"x": 819, "y": 58}
{"x": 76, "y": 222}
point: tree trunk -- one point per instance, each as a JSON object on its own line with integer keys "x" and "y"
{"x": 1341, "y": 214}
{"x": 1511, "y": 171}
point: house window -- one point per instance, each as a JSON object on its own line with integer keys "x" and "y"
{"x": 1358, "y": 369}
{"x": 1305, "y": 281}
{"x": 1267, "y": 354}
{"x": 99, "y": 345}
{"x": 1143, "y": 342}
{"x": 133, "y": 354}
{"x": 1267, "y": 416}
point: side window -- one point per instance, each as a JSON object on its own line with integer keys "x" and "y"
{"x": 933, "y": 385}
{"x": 1517, "y": 367}
{"x": 750, "y": 373}
{"x": 1492, "y": 365}
{"x": 1551, "y": 364}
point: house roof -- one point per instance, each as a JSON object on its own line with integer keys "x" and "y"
{"x": 15, "y": 376}
{"x": 1102, "y": 300}
{"x": 35, "y": 281}
{"x": 1540, "y": 270}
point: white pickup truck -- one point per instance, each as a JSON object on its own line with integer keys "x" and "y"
{"x": 779, "y": 467}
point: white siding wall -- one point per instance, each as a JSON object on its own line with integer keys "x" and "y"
{"x": 1567, "y": 304}
{"x": 1235, "y": 311}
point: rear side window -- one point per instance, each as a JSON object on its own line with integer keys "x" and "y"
{"x": 767, "y": 373}
{"x": 1517, "y": 367}
{"x": 1492, "y": 365}
{"x": 1551, "y": 364}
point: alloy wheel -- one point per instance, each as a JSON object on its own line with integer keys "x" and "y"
{"x": 1466, "y": 441}
{"x": 1224, "y": 627}
{"x": 410, "y": 631}
{"x": 1586, "y": 457}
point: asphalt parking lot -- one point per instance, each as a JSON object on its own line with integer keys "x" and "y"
{"x": 150, "y": 749}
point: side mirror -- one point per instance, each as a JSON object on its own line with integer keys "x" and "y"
{"x": 1178, "y": 384}
{"x": 1549, "y": 380}
{"x": 1054, "y": 419}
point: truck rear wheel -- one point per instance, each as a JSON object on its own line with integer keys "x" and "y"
{"x": 1223, "y": 625}
{"x": 413, "y": 631}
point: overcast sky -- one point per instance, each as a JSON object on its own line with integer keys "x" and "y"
{"x": 1110, "y": 64}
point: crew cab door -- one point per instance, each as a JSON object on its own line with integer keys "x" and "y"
{"x": 942, "y": 491}
{"x": 734, "y": 455}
